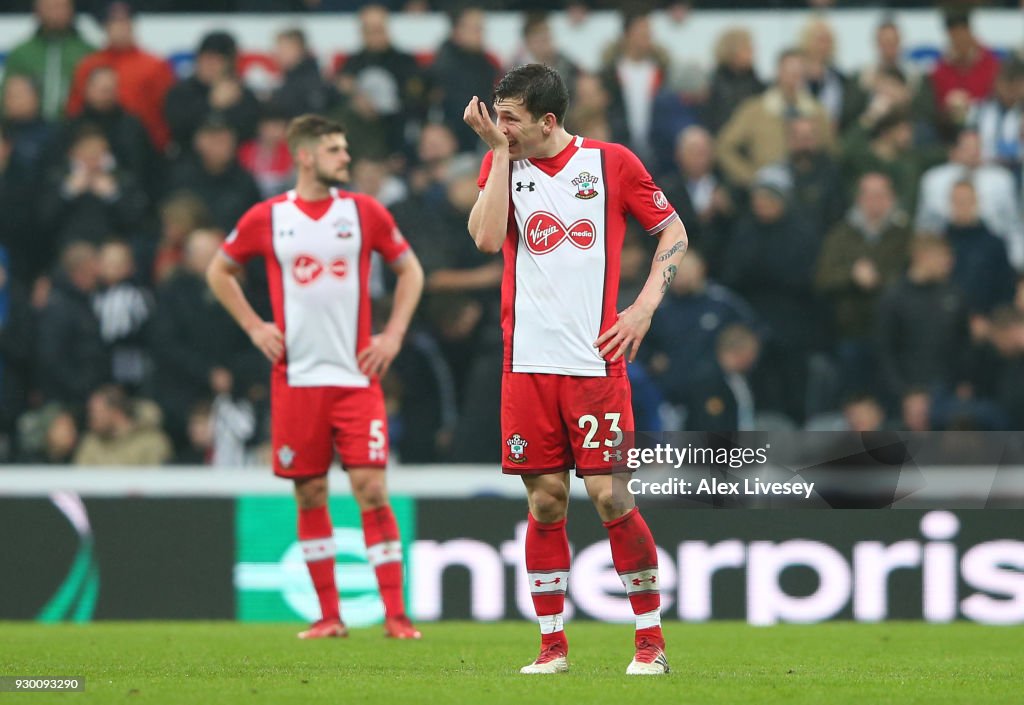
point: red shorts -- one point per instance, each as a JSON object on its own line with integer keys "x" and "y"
{"x": 309, "y": 423}
{"x": 552, "y": 423}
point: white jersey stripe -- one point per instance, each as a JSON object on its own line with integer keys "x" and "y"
{"x": 640, "y": 581}
{"x": 384, "y": 552}
{"x": 663, "y": 224}
{"x": 549, "y": 582}
{"x": 317, "y": 549}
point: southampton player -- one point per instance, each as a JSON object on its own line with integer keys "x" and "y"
{"x": 325, "y": 386}
{"x": 556, "y": 205}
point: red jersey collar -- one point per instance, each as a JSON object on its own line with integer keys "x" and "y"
{"x": 552, "y": 165}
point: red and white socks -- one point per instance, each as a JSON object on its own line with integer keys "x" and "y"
{"x": 384, "y": 552}
{"x": 547, "y": 565}
{"x": 635, "y": 556}
{"x": 316, "y": 537}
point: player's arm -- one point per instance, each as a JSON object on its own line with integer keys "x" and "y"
{"x": 488, "y": 221}
{"x": 633, "y": 323}
{"x": 222, "y": 276}
{"x": 376, "y": 358}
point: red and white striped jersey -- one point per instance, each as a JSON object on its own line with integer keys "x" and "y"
{"x": 318, "y": 265}
{"x": 567, "y": 223}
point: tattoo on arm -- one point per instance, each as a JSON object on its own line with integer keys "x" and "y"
{"x": 667, "y": 254}
{"x": 668, "y": 275}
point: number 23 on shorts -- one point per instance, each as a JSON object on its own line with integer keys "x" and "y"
{"x": 609, "y": 428}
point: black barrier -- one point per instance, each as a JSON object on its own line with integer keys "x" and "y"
{"x": 68, "y": 560}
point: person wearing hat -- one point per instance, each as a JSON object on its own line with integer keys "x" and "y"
{"x": 214, "y": 87}
{"x": 770, "y": 264}
{"x": 49, "y": 56}
{"x": 143, "y": 79}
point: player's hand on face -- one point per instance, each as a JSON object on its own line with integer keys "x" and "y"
{"x": 625, "y": 335}
{"x": 479, "y": 118}
{"x": 375, "y": 359}
{"x": 268, "y": 339}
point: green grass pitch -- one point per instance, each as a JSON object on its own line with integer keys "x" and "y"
{"x": 458, "y": 662}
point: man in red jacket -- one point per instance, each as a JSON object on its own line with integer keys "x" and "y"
{"x": 143, "y": 79}
{"x": 966, "y": 72}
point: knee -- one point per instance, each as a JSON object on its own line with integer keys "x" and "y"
{"x": 311, "y": 493}
{"x": 548, "y": 506}
{"x": 370, "y": 493}
{"x": 610, "y": 505}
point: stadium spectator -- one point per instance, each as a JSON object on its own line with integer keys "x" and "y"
{"x": 679, "y": 105}
{"x": 372, "y": 177}
{"x": 998, "y": 199}
{"x": 1007, "y": 337}
{"x": 633, "y": 69}
{"x": 143, "y": 79}
{"x": 88, "y": 197}
{"x": 770, "y": 263}
{"x": 722, "y": 398}
{"x": 860, "y": 257}
{"x": 866, "y": 85}
{"x": 539, "y": 47}
{"x": 982, "y": 270}
{"x": 303, "y": 88}
{"x": 999, "y": 120}
{"x": 125, "y": 133}
{"x": 590, "y": 115}
{"x": 27, "y": 131}
{"x": 886, "y": 148}
{"x": 734, "y": 79}
{"x": 817, "y": 189}
{"x": 434, "y": 153}
{"x": 47, "y": 436}
{"x": 863, "y": 413}
{"x": 266, "y": 157}
{"x": 696, "y": 191}
{"x": 198, "y": 449}
{"x": 180, "y": 214}
{"x": 462, "y": 69}
{"x": 49, "y": 57}
{"x": 71, "y": 359}
{"x": 122, "y": 431}
{"x": 825, "y": 82}
{"x": 390, "y": 79}
{"x": 17, "y": 353}
{"x": 17, "y": 235}
{"x": 213, "y": 89}
{"x": 195, "y": 342}
{"x": 923, "y": 334}
{"x": 124, "y": 310}
{"x": 755, "y": 136}
{"x": 965, "y": 73}
{"x": 687, "y": 324}
{"x": 214, "y": 174}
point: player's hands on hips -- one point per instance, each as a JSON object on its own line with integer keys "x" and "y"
{"x": 375, "y": 359}
{"x": 268, "y": 339}
{"x": 479, "y": 118}
{"x": 625, "y": 335}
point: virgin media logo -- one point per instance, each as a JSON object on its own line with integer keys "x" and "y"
{"x": 545, "y": 232}
{"x": 306, "y": 269}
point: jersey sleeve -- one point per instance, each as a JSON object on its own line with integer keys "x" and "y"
{"x": 382, "y": 231}
{"x": 251, "y": 235}
{"x": 485, "y": 170}
{"x": 641, "y": 197}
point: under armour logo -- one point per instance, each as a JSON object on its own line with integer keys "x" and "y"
{"x": 538, "y": 583}
{"x": 639, "y": 581}
{"x": 610, "y": 455}
{"x": 529, "y": 187}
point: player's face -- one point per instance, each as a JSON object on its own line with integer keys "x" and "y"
{"x": 525, "y": 134}
{"x": 331, "y": 160}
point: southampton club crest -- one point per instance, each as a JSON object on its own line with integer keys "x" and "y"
{"x": 585, "y": 185}
{"x": 517, "y": 448}
{"x": 286, "y": 455}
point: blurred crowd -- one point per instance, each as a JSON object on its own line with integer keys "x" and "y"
{"x": 856, "y": 238}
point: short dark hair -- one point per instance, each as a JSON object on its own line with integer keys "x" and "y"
{"x": 539, "y": 87}
{"x": 534, "y": 20}
{"x": 891, "y": 120}
{"x": 294, "y": 35}
{"x": 310, "y": 127}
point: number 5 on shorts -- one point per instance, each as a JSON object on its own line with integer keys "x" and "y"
{"x": 377, "y": 441}
{"x": 590, "y": 422}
